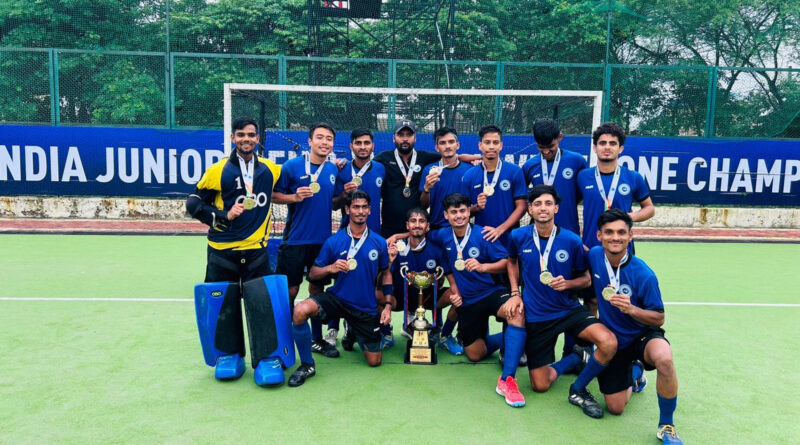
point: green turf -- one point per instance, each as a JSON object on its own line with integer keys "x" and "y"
{"x": 132, "y": 372}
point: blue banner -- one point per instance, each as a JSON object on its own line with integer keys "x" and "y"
{"x": 143, "y": 162}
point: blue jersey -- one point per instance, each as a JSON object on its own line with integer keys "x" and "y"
{"x": 426, "y": 259}
{"x": 565, "y": 183}
{"x": 371, "y": 182}
{"x": 567, "y": 258}
{"x": 631, "y": 187}
{"x": 309, "y": 221}
{"x": 473, "y": 286}
{"x": 356, "y": 288}
{"x": 510, "y": 187}
{"x": 449, "y": 182}
{"x": 637, "y": 281}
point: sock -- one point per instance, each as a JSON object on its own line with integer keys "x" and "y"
{"x": 636, "y": 372}
{"x": 493, "y": 343}
{"x": 333, "y": 323}
{"x": 438, "y": 318}
{"x": 447, "y": 329}
{"x": 316, "y": 330}
{"x": 302, "y": 338}
{"x": 592, "y": 369}
{"x": 570, "y": 361}
{"x": 569, "y": 342}
{"x": 386, "y": 329}
{"x": 666, "y": 408}
{"x": 514, "y": 340}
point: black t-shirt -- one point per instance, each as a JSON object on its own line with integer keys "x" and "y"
{"x": 395, "y": 206}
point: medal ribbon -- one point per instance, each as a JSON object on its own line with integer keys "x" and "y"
{"x": 360, "y": 172}
{"x": 460, "y": 246}
{"x": 308, "y": 167}
{"x": 247, "y": 174}
{"x": 549, "y": 179}
{"x": 611, "y": 191}
{"x": 496, "y": 174}
{"x": 402, "y": 165}
{"x": 354, "y": 247}
{"x": 419, "y": 247}
{"x": 543, "y": 257}
{"x": 612, "y": 277}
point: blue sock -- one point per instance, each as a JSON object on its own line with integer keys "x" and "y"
{"x": 447, "y": 329}
{"x": 333, "y": 323}
{"x": 302, "y": 338}
{"x": 666, "y": 408}
{"x": 493, "y": 343}
{"x": 316, "y": 329}
{"x": 592, "y": 369}
{"x": 568, "y": 362}
{"x": 569, "y": 342}
{"x": 636, "y": 372}
{"x": 386, "y": 329}
{"x": 515, "y": 342}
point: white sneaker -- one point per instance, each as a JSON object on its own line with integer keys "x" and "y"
{"x": 332, "y": 336}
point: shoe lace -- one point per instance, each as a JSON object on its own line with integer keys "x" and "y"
{"x": 587, "y": 396}
{"x": 668, "y": 430}
{"x": 276, "y": 364}
{"x": 511, "y": 384}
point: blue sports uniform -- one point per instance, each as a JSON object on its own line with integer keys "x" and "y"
{"x": 449, "y": 182}
{"x": 510, "y": 187}
{"x": 631, "y": 187}
{"x": 309, "y": 221}
{"x": 473, "y": 286}
{"x": 372, "y": 181}
{"x": 356, "y": 288}
{"x": 567, "y": 258}
{"x": 637, "y": 281}
{"x": 565, "y": 183}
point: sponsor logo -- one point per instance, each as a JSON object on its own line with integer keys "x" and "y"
{"x": 562, "y": 255}
{"x": 527, "y": 250}
{"x": 589, "y": 187}
{"x": 262, "y": 199}
{"x": 537, "y": 175}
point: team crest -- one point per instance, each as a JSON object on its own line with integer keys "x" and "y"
{"x": 624, "y": 189}
{"x": 417, "y": 168}
{"x": 625, "y": 290}
{"x": 567, "y": 173}
{"x": 430, "y": 264}
{"x": 562, "y": 256}
{"x": 379, "y": 181}
{"x": 505, "y": 185}
{"x": 333, "y": 179}
{"x": 473, "y": 252}
{"x": 373, "y": 254}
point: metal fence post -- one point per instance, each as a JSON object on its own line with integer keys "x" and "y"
{"x": 52, "y": 85}
{"x": 606, "y": 115}
{"x": 711, "y": 101}
{"x": 283, "y": 102}
{"x": 390, "y": 112}
{"x": 55, "y": 94}
{"x": 498, "y": 100}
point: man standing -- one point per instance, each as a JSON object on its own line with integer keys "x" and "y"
{"x": 552, "y": 263}
{"x": 442, "y": 178}
{"x": 357, "y": 258}
{"x": 631, "y": 307}
{"x": 233, "y": 199}
{"x": 361, "y": 174}
{"x": 307, "y": 183}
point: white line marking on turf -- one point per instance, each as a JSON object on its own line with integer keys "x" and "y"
{"x": 189, "y": 300}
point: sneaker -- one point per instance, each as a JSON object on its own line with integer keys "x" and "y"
{"x": 333, "y": 335}
{"x": 348, "y": 340}
{"x": 523, "y": 360}
{"x": 302, "y": 373}
{"x": 668, "y": 435}
{"x": 387, "y": 341}
{"x": 229, "y": 367}
{"x": 324, "y": 348}
{"x": 586, "y": 401}
{"x": 269, "y": 373}
{"x": 451, "y": 345}
{"x": 641, "y": 382}
{"x": 584, "y": 353}
{"x": 508, "y": 388}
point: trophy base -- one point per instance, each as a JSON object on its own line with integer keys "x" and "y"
{"x": 420, "y": 350}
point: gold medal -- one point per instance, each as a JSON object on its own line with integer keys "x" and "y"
{"x": 434, "y": 169}
{"x": 608, "y": 292}
{"x": 460, "y": 265}
{"x": 315, "y": 188}
{"x": 357, "y": 180}
{"x": 545, "y": 277}
{"x": 249, "y": 203}
{"x": 488, "y": 190}
{"x": 401, "y": 245}
{"x": 352, "y": 263}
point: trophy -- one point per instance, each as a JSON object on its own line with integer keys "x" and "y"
{"x": 420, "y": 350}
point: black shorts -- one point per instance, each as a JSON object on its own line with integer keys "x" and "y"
{"x": 473, "y": 320}
{"x": 542, "y": 335}
{"x": 293, "y": 261}
{"x": 617, "y": 375}
{"x": 413, "y": 297}
{"x": 365, "y": 326}
{"x": 236, "y": 265}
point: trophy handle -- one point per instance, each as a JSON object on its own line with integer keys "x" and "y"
{"x": 403, "y": 271}
{"x": 439, "y": 272}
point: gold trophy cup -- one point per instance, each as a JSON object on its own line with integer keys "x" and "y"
{"x": 419, "y": 350}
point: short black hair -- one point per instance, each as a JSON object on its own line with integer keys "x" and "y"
{"x": 542, "y": 189}
{"x": 455, "y": 200}
{"x": 489, "y": 129}
{"x": 358, "y": 132}
{"x": 324, "y": 125}
{"x": 444, "y": 131}
{"x": 612, "y": 215}
{"x": 611, "y": 128}
{"x": 545, "y": 131}
{"x": 417, "y": 211}
{"x": 356, "y": 194}
{"x": 243, "y": 121}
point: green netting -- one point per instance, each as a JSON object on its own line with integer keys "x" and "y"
{"x": 24, "y": 87}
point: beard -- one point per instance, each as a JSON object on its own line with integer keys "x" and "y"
{"x": 404, "y": 148}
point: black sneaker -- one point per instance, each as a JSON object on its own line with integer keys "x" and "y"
{"x": 348, "y": 339}
{"x": 584, "y": 353}
{"x": 302, "y": 373}
{"x": 586, "y": 401}
{"x": 324, "y": 348}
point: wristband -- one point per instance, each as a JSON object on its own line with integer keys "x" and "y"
{"x": 387, "y": 289}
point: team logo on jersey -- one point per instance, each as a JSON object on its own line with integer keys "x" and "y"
{"x": 430, "y": 264}
{"x": 473, "y": 252}
{"x": 379, "y": 181}
{"x": 624, "y": 189}
{"x": 262, "y": 199}
{"x": 333, "y": 179}
{"x": 373, "y": 254}
{"x": 625, "y": 290}
{"x": 505, "y": 185}
{"x": 562, "y": 256}
{"x": 417, "y": 168}
{"x": 567, "y": 173}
